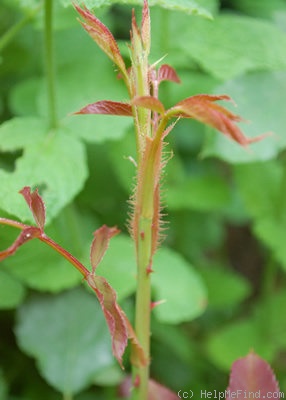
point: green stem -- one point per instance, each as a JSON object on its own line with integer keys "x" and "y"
{"x": 12, "y": 32}
{"x": 146, "y": 224}
{"x": 143, "y": 300}
{"x": 49, "y": 64}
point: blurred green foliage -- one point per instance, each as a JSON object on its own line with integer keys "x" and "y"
{"x": 221, "y": 269}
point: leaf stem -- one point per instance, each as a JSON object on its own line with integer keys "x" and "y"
{"x": 50, "y": 242}
{"x": 68, "y": 256}
{"x": 49, "y": 64}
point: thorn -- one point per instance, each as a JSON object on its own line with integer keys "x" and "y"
{"x": 149, "y": 269}
{"x": 154, "y": 65}
{"x": 154, "y": 304}
{"x": 136, "y": 382}
{"x": 142, "y": 235}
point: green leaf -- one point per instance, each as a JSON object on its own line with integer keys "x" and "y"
{"x": 187, "y": 6}
{"x": 26, "y": 5}
{"x": 252, "y": 180}
{"x": 204, "y": 193}
{"x": 68, "y": 337}
{"x": 246, "y": 335}
{"x": 260, "y": 8}
{"x": 269, "y": 212}
{"x": 175, "y": 339}
{"x": 199, "y": 7}
{"x": 261, "y": 332}
{"x": 263, "y": 113}
{"x": 177, "y": 283}
{"x": 48, "y": 162}
{"x": 77, "y": 87}
{"x": 271, "y": 231}
{"x": 234, "y": 53}
{"x": 268, "y": 314}
{"x": 121, "y": 154}
{"x": 225, "y": 287}
{"x": 210, "y": 233}
{"x": 119, "y": 266}
{"x": 12, "y": 292}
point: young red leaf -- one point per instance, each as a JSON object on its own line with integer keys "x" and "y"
{"x": 167, "y": 73}
{"x": 27, "y": 234}
{"x": 149, "y": 102}
{"x": 100, "y": 244}
{"x": 146, "y": 27}
{"x": 36, "y": 205}
{"x": 156, "y": 391}
{"x": 249, "y": 375}
{"x": 102, "y": 36}
{"x": 114, "y": 316}
{"x": 107, "y": 107}
{"x": 118, "y": 324}
{"x": 204, "y": 109}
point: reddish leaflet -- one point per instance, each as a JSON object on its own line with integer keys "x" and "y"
{"x": 251, "y": 377}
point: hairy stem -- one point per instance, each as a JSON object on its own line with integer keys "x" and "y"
{"x": 49, "y": 65}
{"x": 146, "y": 228}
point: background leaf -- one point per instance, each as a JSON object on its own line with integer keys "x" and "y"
{"x": 12, "y": 292}
{"x": 234, "y": 53}
{"x": 247, "y": 334}
{"x": 200, "y": 193}
{"x": 47, "y": 162}
{"x": 269, "y": 213}
{"x": 262, "y": 113}
{"x": 225, "y": 288}
{"x": 261, "y": 8}
{"x": 70, "y": 351}
{"x": 191, "y": 7}
{"x": 176, "y": 282}
{"x": 74, "y": 91}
